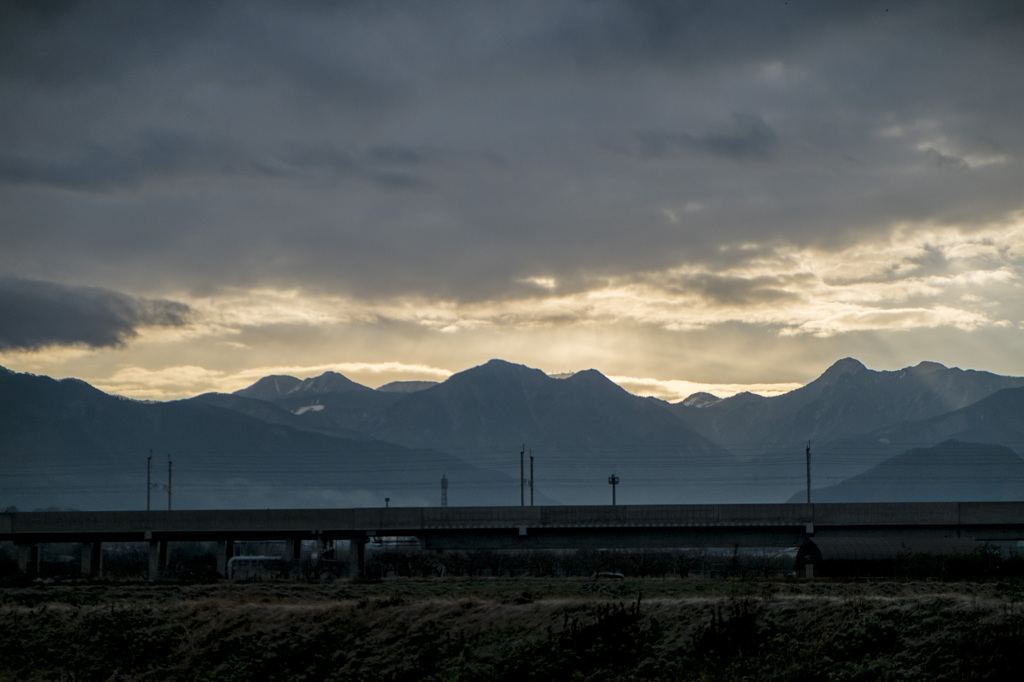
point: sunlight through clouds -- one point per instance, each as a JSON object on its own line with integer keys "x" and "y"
{"x": 796, "y": 291}
{"x": 175, "y": 382}
{"x": 924, "y": 279}
{"x": 676, "y": 390}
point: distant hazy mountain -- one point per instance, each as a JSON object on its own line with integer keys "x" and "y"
{"x": 66, "y": 444}
{"x": 949, "y": 472}
{"x": 581, "y": 429}
{"x": 328, "y": 441}
{"x": 743, "y": 448}
{"x": 848, "y": 416}
{"x": 848, "y": 400}
{"x": 997, "y": 419}
{"x": 406, "y": 386}
{"x": 277, "y": 412}
{"x": 330, "y": 403}
{"x": 277, "y": 386}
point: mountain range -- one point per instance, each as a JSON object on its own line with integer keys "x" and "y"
{"x": 328, "y": 441}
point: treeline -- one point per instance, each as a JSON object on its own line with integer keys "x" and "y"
{"x": 196, "y": 562}
{"x": 640, "y": 563}
{"x": 188, "y": 561}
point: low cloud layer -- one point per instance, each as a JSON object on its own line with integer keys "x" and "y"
{"x": 38, "y": 315}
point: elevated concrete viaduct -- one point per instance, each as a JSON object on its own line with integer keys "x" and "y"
{"x": 641, "y": 526}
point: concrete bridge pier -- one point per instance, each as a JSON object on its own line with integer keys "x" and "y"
{"x": 292, "y": 554}
{"x": 28, "y": 560}
{"x": 157, "y": 558}
{"x": 225, "y": 552}
{"x": 356, "y": 557}
{"x": 292, "y": 549}
{"x": 92, "y": 559}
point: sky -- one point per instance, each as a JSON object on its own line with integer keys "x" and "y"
{"x": 685, "y": 196}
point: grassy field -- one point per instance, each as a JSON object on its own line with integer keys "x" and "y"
{"x": 514, "y": 629}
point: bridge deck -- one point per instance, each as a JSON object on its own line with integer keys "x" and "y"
{"x": 962, "y": 518}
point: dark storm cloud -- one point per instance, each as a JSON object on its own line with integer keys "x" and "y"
{"x": 162, "y": 156}
{"x": 457, "y": 149}
{"x": 67, "y": 45}
{"x": 71, "y": 43}
{"x": 689, "y": 33}
{"x": 146, "y": 157}
{"x": 35, "y": 315}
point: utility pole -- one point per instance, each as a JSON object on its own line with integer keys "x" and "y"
{"x": 613, "y": 480}
{"x": 169, "y": 465}
{"x": 522, "y": 478}
{"x": 150, "y": 486}
{"x": 444, "y": 491}
{"x": 807, "y": 452}
{"x": 531, "y": 478}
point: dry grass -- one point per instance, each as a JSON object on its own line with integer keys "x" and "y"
{"x": 514, "y": 629}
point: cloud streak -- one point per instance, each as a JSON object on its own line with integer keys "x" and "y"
{"x": 37, "y": 315}
{"x": 751, "y": 139}
{"x": 909, "y": 283}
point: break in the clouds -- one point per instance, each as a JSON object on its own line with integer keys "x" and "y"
{"x": 791, "y": 177}
{"x": 36, "y": 315}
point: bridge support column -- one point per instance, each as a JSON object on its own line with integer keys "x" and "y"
{"x": 356, "y": 557}
{"x": 28, "y": 561}
{"x": 292, "y": 549}
{"x": 225, "y": 551}
{"x": 92, "y": 559}
{"x": 157, "y": 558}
{"x": 292, "y": 554}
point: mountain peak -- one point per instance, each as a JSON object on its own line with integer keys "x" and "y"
{"x": 329, "y": 382}
{"x": 278, "y": 385}
{"x": 497, "y": 364}
{"x": 927, "y": 367}
{"x": 494, "y": 374}
{"x": 269, "y": 387}
{"x": 499, "y": 368}
{"x": 592, "y": 379}
{"x": 842, "y": 368}
{"x": 701, "y": 399}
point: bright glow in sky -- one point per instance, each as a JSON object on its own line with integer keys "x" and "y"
{"x": 720, "y": 197}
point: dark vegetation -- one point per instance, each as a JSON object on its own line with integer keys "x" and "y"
{"x": 578, "y": 563}
{"x": 514, "y": 629}
{"x": 194, "y": 562}
{"x": 637, "y": 615}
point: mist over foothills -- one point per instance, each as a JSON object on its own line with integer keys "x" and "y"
{"x": 922, "y": 433}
